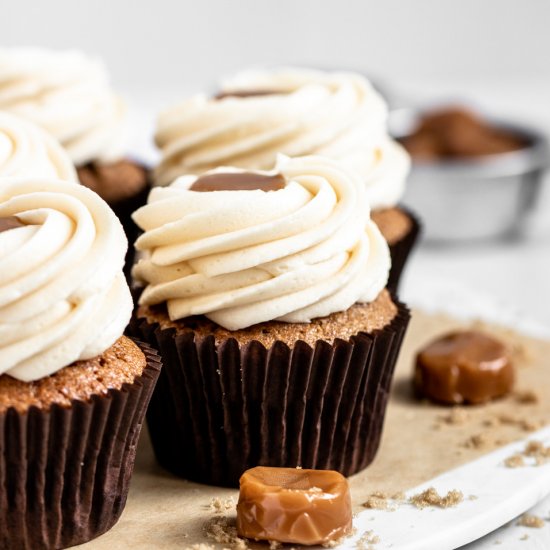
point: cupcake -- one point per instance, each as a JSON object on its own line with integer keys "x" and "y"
{"x": 265, "y": 294}
{"x": 296, "y": 112}
{"x": 73, "y": 389}
{"x": 68, "y": 94}
{"x": 28, "y": 150}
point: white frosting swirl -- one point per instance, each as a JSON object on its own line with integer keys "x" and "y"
{"x": 68, "y": 94}
{"x": 244, "y": 257}
{"x": 310, "y": 112}
{"x": 63, "y": 296}
{"x": 28, "y": 150}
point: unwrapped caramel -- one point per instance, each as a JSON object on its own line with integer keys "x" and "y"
{"x": 455, "y": 132}
{"x": 293, "y": 505}
{"x": 239, "y": 181}
{"x": 464, "y": 367}
{"x": 10, "y": 222}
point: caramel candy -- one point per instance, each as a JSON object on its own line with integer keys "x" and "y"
{"x": 293, "y": 505}
{"x": 455, "y": 132}
{"x": 239, "y": 181}
{"x": 247, "y": 93}
{"x": 10, "y": 222}
{"x": 464, "y": 367}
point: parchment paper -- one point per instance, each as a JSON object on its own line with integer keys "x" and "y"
{"x": 420, "y": 441}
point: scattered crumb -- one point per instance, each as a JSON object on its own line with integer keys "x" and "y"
{"x": 527, "y": 397}
{"x": 221, "y": 506}
{"x": 384, "y": 501}
{"x": 528, "y": 520}
{"x": 479, "y": 441}
{"x": 490, "y": 422}
{"x": 497, "y": 542}
{"x": 376, "y": 503}
{"x": 472, "y": 497}
{"x": 537, "y": 449}
{"x": 533, "y": 450}
{"x": 457, "y": 416}
{"x": 367, "y": 540}
{"x": 221, "y": 530}
{"x": 525, "y": 537}
{"x": 505, "y": 418}
{"x": 274, "y": 544}
{"x": 525, "y": 424}
{"x": 514, "y": 461}
{"x": 430, "y": 497}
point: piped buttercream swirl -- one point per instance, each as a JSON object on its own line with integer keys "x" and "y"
{"x": 63, "y": 296}
{"x": 244, "y": 257}
{"x": 291, "y": 111}
{"x": 28, "y": 150}
{"x": 68, "y": 94}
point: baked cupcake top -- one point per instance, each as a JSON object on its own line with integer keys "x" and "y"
{"x": 291, "y": 111}
{"x": 68, "y": 94}
{"x": 63, "y": 296}
{"x": 247, "y": 247}
{"x": 28, "y": 150}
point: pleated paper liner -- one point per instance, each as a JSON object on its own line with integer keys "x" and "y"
{"x": 401, "y": 250}
{"x": 65, "y": 472}
{"x": 220, "y": 409}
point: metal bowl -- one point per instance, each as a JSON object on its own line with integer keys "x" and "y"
{"x": 477, "y": 198}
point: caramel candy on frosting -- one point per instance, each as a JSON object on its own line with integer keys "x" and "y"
{"x": 464, "y": 367}
{"x": 239, "y": 181}
{"x": 293, "y": 505}
{"x": 247, "y": 93}
{"x": 10, "y": 222}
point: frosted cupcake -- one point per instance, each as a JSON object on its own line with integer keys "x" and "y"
{"x": 265, "y": 292}
{"x": 68, "y": 94}
{"x": 296, "y": 112}
{"x": 73, "y": 390}
{"x": 28, "y": 150}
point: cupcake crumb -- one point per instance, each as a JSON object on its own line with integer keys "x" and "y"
{"x": 223, "y": 531}
{"x": 479, "y": 441}
{"x": 534, "y": 450}
{"x": 525, "y": 537}
{"x": 514, "y": 461}
{"x": 457, "y": 416}
{"x": 526, "y": 397}
{"x": 383, "y": 501}
{"x": 430, "y": 497}
{"x": 367, "y": 541}
{"x": 528, "y": 520}
{"x": 221, "y": 506}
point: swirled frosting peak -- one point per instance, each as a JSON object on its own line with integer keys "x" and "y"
{"x": 28, "y": 150}
{"x": 63, "y": 296}
{"x": 68, "y": 94}
{"x": 242, "y": 256}
{"x": 292, "y": 111}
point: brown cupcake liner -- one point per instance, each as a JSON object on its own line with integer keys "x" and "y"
{"x": 220, "y": 409}
{"x": 65, "y": 472}
{"x": 400, "y": 251}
